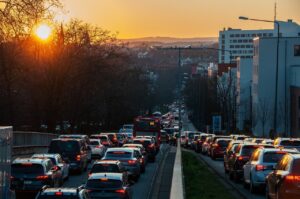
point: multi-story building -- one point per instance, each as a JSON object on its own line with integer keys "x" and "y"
{"x": 243, "y": 93}
{"x": 239, "y": 43}
{"x": 288, "y": 90}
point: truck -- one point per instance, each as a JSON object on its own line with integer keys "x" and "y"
{"x": 6, "y": 142}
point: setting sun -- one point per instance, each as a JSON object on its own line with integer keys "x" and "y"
{"x": 43, "y": 31}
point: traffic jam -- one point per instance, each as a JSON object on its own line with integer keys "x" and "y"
{"x": 264, "y": 166}
{"x": 114, "y": 161}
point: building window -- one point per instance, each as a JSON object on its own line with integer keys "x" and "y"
{"x": 223, "y": 41}
{"x": 297, "y": 50}
{"x": 242, "y": 35}
{"x": 237, "y": 35}
{"x": 231, "y": 36}
{"x": 237, "y": 46}
{"x": 231, "y": 46}
{"x": 270, "y": 34}
{"x": 265, "y": 35}
{"x": 223, "y": 36}
{"x": 234, "y": 41}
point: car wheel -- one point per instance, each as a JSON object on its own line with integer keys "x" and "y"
{"x": 245, "y": 184}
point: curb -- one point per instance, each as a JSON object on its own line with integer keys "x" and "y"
{"x": 177, "y": 191}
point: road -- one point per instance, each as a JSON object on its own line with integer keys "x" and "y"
{"x": 218, "y": 168}
{"x": 149, "y": 183}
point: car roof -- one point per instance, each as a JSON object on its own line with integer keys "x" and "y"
{"x": 112, "y": 176}
{"x": 137, "y": 145}
{"x": 277, "y": 149}
{"x": 147, "y": 139}
{"x": 66, "y": 191}
{"x": 218, "y": 139}
{"x": 120, "y": 149}
{"x": 45, "y": 155}
{"x": 107, "y": 162}
{"x": 93, "y": 139}
{"x": 29, "y": 160}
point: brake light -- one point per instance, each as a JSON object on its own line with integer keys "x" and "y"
{"x": 78, "y": 157}
{"x": 58, "y": 193}
{"x": 89, "y": 174}
{"x": 242, "y": 157}
{"x": 122, "y": 191}
{"x": 260, "y": 167}
{"x": 292, "y": 178}
{"x": 98, "y": 147}
{"x": 215, "y": 145}
{"x": 131, "y": 161}
{"x": 42, "y": 177}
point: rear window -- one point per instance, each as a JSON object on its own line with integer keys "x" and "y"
{"x": 55, "y": 197}
{"x": 60, "y": 146}
{"x": 94, "y": 143}
{"x": 203, "y": 137}
{"x": 191, "y": 135}
{"x": 118, "y": 154}
{"x": 103, "y": 138}
{"x": 248, "y": 150}
{"x": 145, "y": 143}
{"x": 273, "y": 157}
{"x": 102, "y": 168}
{"x": 98, "y": 184}
{"x": 223, "y": 143}
{"x": 296, "y": 166}
{"x": 27, "y": 169}
{"x": 290, "y": 143}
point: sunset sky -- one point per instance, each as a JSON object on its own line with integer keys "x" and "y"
{"x": 178, "y": 18}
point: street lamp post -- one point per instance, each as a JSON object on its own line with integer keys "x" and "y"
{"x": 276, "y": 70}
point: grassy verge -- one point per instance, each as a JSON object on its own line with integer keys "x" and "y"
{"x": 199, "y": 182}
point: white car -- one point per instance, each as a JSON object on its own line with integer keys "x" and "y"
{"x": 98, "y": 150}
{"x": 56, "y": 160}
{"x": 261, "y": 163}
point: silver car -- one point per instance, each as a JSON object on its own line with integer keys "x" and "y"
{"x": 261, "y": 163}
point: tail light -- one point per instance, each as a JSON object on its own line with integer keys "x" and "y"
{"x": 122, "y": 191}
{"x": 131, "y": 161}
{"x": 42, "y": 177}
{"x": 58, "y": 193}
{"x": 242, "y": 157}
{"x": 78, "y": 157}
{"x": 292, "y": 178}
{"x": 260, "y": 167}
{"x": 98, "y": 147}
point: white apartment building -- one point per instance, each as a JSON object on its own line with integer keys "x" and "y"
{"x": 263, "y": 86}
{"x": 243, "y": 93}
{"x": 240, "y": 42}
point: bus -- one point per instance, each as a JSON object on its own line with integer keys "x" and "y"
{"x": 147, "y": 126}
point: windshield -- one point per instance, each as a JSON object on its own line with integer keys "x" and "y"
{"x": 60, "y": 146}
{"x": 273, "y": 157}
{"x": 105, "y": 183}
{"x": 248, "y": 150}
{"x": 293, "y": 143}
{"x": 118, "y": 154}
{"x": 223, "y": 143}
{"x": 27, "y": 169}
{"x": 102, "y": 168}
{"x": 94, "y": 142}
{"x": 145, "y": 143}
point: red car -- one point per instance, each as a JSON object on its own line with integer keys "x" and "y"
{"x": 284, "y": 182}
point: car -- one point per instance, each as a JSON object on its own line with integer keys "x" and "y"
{"x": 284, "y": 181}
{"x": 57, "y": 161}
{"x": 268, "y": 141}
{"x": 71, "y": 150}
{"x": 219, "y": 147}
{"x": 242, "y": 154}
{"x": 257, "y": 140}
{"x": 130, "y": 159}
{"x": 149, "y": 145}
{"x": 289, "y": 143}
{"x": 240, "y": 137}
{"x": 121, "y": 138}
{"x": 104, "y": 139}
{"x": 30, "y": 175}
{"x": 201, "y": 139}
{"x": 182, "y": 140}
{"x": 142, "y": 149}
{"x": 98, "y": 149}
{"x": 85, "y": 139}
{"x": 189, "y": 135}
{"x": 206, "y": 144}
{"x": 214, "y": 138}
{"x": 248, "y": 139}
{"x": 113, "y": 138}
{"x": 164, "y": 137}
{"x": 229, "y": 152}
{"x": 109, "y": 166}
{"x": 62, "y": 193}
{"x": 261, "y": 163}
{"x": 108, "y": 185}
{"x": 194, "y": 142}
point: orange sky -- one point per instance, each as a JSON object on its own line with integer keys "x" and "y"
{"x": 178, "y": 18}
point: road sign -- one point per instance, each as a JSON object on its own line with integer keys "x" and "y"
{"x": 217, "y": 123}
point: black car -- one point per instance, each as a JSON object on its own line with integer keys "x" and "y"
{"x": 62, "y": 193}
{"x": 108, "y": 185}
{"x": 73, "y": 151}
{"x": 30, "y": 175}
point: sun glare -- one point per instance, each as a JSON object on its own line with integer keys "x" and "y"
{"x": 43, "y": 31}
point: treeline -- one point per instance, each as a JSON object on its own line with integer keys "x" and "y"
{"x": 81, "y": 77}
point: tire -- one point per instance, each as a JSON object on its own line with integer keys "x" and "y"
{"x": 245, "y": 184}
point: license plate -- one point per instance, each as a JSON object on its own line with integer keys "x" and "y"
{"x": 27, "y": 182}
